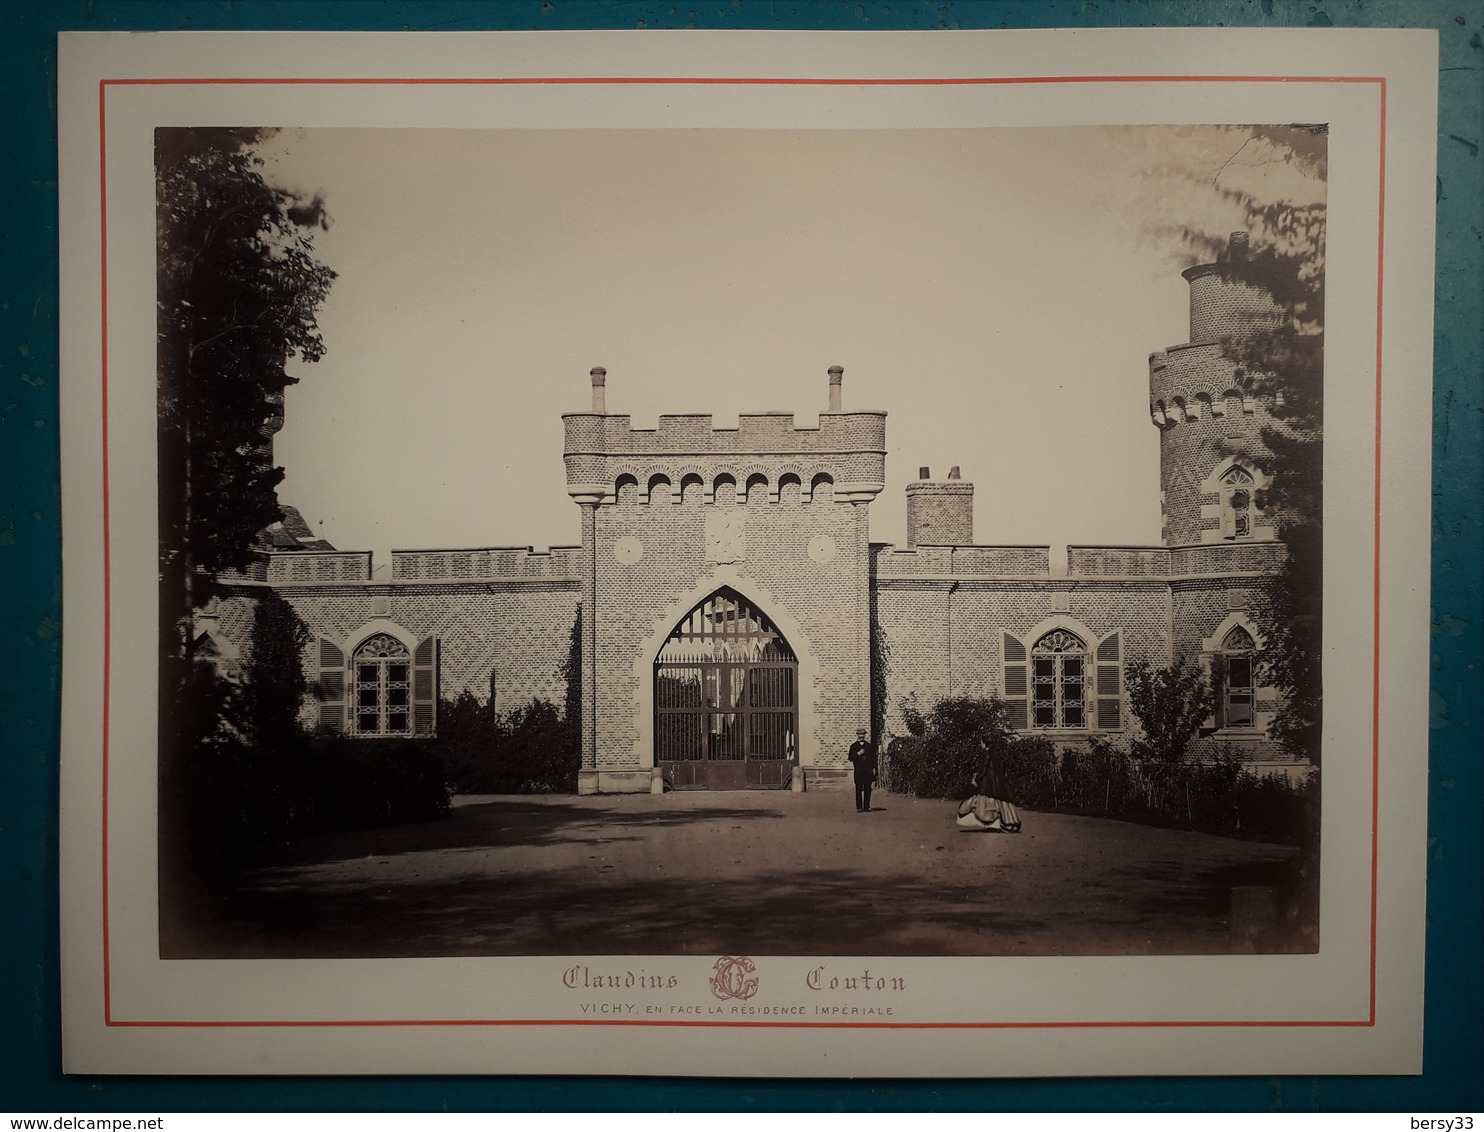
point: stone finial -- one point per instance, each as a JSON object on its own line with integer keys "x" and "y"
{"x": 600, "y": 401}
{"x": 953, "y": 473}
{"x": 1236, "y": 247}
{"x": 837, "y": 375}
{"x": 924, "y": 473}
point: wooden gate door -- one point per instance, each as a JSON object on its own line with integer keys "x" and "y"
{"x": 726, "y": 711}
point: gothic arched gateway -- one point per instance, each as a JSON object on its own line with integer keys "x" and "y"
{"x": 726, "y": 699}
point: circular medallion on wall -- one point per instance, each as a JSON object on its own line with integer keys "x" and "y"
{"x": 628, "y": 550}
{"x": 822, "y": 549}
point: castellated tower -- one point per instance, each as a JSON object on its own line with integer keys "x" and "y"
{"x": 725, "y": 594}
{"x": 1210, "y": 445}
{"x": 940, "y": 512}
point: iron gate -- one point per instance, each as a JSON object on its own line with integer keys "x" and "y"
{"x": 726, "y": 699}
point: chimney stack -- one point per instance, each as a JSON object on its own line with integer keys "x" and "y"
{"x": 837, "y": 374}
{"x": 940, "y": 512}
{"x": 600, "y": 402}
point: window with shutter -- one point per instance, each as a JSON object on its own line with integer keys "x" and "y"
{"x": 1211, "y": 667}
{"x": 425, "y": 687}
{"x": 1059, "y": 681}
{"x": 381, "y": 684}
{"x": 330, "y": 688}
{"x": 1014, "y": 687}
{"x": 1110, "y": 682}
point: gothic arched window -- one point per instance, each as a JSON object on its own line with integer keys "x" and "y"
{"x": 1236, "y": 503}
{"x": 382, "y": 692}
{"x": 1239, "y": 684}
{"x": 1059, "y": 680}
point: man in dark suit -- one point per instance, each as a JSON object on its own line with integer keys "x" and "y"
{"x": 863, "y": 759}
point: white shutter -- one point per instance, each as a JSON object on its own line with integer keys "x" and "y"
{"x": 1015, "y": 683}
{"x": 330, "y": 687}
{"x": 1109, "y": 686}
{"x": 425, "y": 687}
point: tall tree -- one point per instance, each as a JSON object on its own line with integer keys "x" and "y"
{"x": 1281, "y": 363}
{"x": 238, "y": 294}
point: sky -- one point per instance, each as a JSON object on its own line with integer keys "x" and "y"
{"x": 996, "y": 291}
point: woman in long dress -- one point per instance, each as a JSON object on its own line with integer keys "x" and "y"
{"x": 986, "y": 808}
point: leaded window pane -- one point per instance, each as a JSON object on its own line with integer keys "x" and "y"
{"x": 383, "y": 687}
{"x": 1059, "y": 687}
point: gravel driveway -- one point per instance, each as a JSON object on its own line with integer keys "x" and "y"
{"x": 750, "y": 872}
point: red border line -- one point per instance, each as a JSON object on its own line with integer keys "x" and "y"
{"x": 107, "y": 562}
{"x": 633, "y": 80}
{"x": 1379, "y": 81}
{"x": 678, "y": 1022}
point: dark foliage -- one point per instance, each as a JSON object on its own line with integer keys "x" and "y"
{"x": 273, "y": 677}
{"x": 1291, "y": 614}
{"x": 1170, "y": 703}
{"x": 240, "y": 787}
{"x": 966, "y": 742}
{"x": 951, "y": 747}
{"x": 1282, "y": 365}
{"x": 238, "y": 290}
{"x": 531, "y": 750}
{"x": 571, "y": 675}
{"x": 354, "y": 783}
{"x": 880, "y": 661}
{"x": 238, "y": 294}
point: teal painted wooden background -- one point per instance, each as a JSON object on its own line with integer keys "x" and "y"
{"x": 30, "y": 559}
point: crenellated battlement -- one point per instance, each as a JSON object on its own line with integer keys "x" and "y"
{"x": 1194, "y": 383}
{"x": 767, "y": 458}
{"x": 756, "y": 434}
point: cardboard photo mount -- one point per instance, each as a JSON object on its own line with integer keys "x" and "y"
{"x": 1355, "y": 1007}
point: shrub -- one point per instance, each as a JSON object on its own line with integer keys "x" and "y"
{"x": 467, "y": 731}
{"x": 1170, "y": 703}
{"x": 364, "y": 782}
{"x": 541, "y": 753}
{"x": 531, "y": 750}
{"x": 951, "y": 746}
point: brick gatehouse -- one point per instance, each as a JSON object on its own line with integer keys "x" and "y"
{"x": 728, "y": 591}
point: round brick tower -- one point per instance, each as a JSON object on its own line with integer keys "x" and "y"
{"x": 1210, "y": 444}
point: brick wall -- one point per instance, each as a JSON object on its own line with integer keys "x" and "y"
{"x": 1203, "y": 421}
{"x": 821, "y": 606}
{"x": 954, "y": 561}
{"x": 508, "y": 635}
{"x": 940, "y": 513}
{"x": 1221, "y": 308}
{"x": 945, "y": 637}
